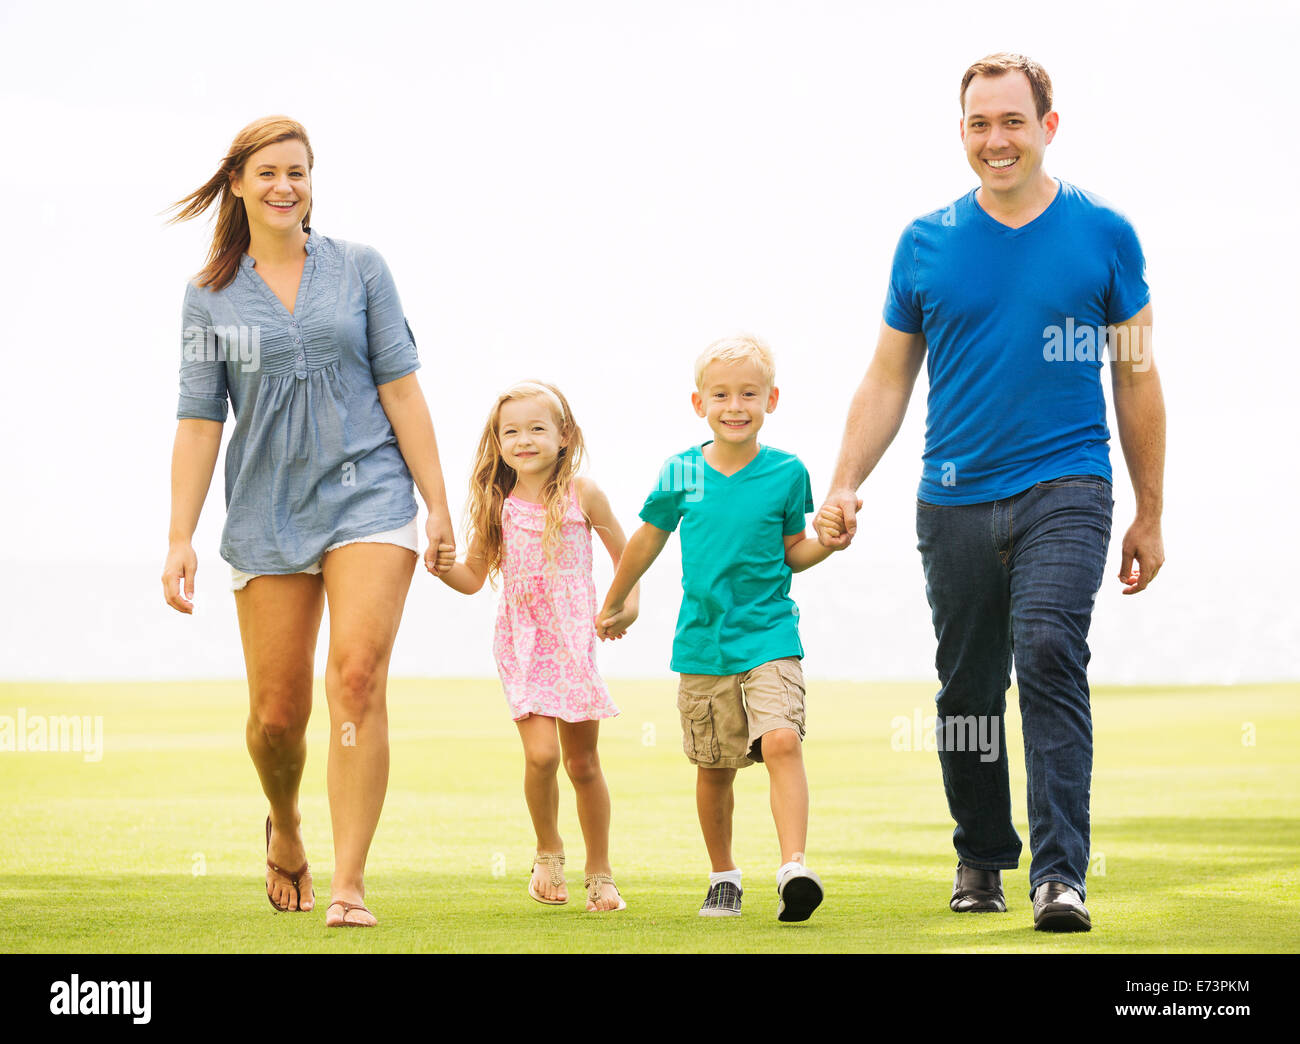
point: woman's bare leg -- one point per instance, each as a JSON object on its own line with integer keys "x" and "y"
{"x": 279, "y": 619}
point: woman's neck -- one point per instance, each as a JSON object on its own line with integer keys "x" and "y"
{"x": 271, "y": 250}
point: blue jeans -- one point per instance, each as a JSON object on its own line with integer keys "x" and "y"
{"x": 1017, "y": 577}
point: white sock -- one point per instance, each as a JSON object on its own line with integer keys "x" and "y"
{"x": 726, "y": 875}
{"x": 787, "y": 869}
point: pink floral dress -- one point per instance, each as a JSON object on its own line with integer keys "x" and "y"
{"x": 545, "y": 644}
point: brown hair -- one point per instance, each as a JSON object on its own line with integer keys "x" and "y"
{"x": 1004, "y": 62}
{"x": 492, "y": 478}
{"x": 230, "y": 237}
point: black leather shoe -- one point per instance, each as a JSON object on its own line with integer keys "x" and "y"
{"x": 977, "y": 891}
{"x": 1058, "y": 908}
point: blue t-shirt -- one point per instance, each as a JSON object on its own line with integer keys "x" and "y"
{"x": 736, "y": 608}
{"x": 1015, "y": 326}
{"x": 313, "y": 460}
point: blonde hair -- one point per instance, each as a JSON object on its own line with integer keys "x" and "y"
{"x": 230, "y": 237}
{"x": 492, "y": 478}
{"x": 738, "y": 348}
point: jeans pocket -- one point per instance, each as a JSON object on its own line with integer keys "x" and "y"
{"x": 699, "y": 740}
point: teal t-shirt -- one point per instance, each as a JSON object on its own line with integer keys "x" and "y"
{"x": 736, "y": 609}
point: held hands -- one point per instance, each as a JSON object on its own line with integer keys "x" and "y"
{"x": 181, "y": 565}
{"x": 441, "y": 553}
{"x": 837, "y": 521}
{"x": 1144, "y": 543}
{"x": 614, "y": 619}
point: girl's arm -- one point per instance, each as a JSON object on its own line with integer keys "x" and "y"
{"x": 194, "y": 456}
{"x": 603, "y": 520}
{"x": 408, "y": 413}
{"x": 468, "y": 576}
{"x": 616, "y": 616}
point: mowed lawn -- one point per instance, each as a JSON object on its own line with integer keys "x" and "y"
{"x": 158, "y": 846}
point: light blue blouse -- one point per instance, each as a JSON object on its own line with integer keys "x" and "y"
{"x": 313, "y": 460}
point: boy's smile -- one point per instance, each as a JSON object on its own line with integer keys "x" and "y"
{"x": 734, "y": 398}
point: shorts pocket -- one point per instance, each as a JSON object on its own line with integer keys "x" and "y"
{"x": 699, "y": 740}
{"x": 792, "y": 691}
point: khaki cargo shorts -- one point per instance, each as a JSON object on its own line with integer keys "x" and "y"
{"x": 725, "y": 715}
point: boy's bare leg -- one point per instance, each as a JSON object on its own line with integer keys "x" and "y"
{"x": 788, "y": 787}
{"x": 715, "y": 801}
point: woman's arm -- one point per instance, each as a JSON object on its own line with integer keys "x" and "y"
{"x": 194, "y": 457}
{"x": 408, "y": 413}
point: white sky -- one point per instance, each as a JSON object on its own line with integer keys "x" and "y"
{"x": 590, "y": 193}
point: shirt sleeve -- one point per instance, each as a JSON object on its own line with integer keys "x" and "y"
{"x": 902, "y": 309}
{"x": 391, "y": 343}
{"x": 1128, "y": 292}
{"x": 664, "y": 506}
{"x": 203, "y": 392}
{"x": 799, "y": 504}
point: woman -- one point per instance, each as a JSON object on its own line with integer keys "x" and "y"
{"x": 305, "y": 337}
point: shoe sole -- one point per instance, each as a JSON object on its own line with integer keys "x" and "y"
{"x": 979, "y": 906}
{"x": 800, "y": 897}
{"x": 719, "y": 913}
{"x": 1062, "y": 921}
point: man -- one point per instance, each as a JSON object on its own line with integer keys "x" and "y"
{"x": 1019, "y": 291}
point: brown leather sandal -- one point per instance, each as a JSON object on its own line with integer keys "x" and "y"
{"x": 293, "y": 878}
{"x": 347, "y": 909}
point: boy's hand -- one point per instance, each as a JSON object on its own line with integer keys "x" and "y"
{"x": 840, "y": 510}
{"x": 829, "y": 520}
{"x": 613, "y": 621}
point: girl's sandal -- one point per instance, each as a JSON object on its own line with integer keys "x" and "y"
{"x": 553, "y": 861}
{"x": 593, "y": 883}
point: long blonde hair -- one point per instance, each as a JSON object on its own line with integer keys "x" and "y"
{"x": 230, "y": 237}
{"x": 492, "y": 478}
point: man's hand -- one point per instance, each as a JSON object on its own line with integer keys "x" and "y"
{"x": 837, "y": 521}
{"x": 1144, "y": 544}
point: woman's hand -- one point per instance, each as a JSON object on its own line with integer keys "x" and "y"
{"x": 441, "y": 553}
{"x": 181, "y": 565}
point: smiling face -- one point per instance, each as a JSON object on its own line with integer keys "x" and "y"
{"x": 275, "y": 186}
{"x": 530, "y": 436}
{"x": 1005, "y": 141}
{"x": 734, "y": 397}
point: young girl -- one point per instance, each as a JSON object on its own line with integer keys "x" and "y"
{"x": 530, "y": 522}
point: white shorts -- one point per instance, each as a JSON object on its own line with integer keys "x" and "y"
{"x": 408, "y": 536}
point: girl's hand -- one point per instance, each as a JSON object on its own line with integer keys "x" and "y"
{"x": 441, "y": 553}
{"x": 613, "y": 621}
{"x": 181, "y": 565}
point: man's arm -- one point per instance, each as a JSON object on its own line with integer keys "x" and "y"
{"x": 1140, "y": 415}
{"x": 616, "y": 616}
{"x": 875, "y": 416}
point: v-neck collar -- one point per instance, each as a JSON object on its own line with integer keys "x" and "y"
{"x": 723, "y": 475}
{"x": 249, "y": 264}
{"x": 1007, "y": 230}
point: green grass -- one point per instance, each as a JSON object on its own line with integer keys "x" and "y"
{"x": 1195, "y": 831}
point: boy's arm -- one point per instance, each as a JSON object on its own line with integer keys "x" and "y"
{"x": 621, "y": 604}
{"x": 803, "y": 552}
{"x": 466, "y": 577}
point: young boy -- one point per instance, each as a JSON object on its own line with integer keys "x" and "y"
{"x": 741, "y": 507}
